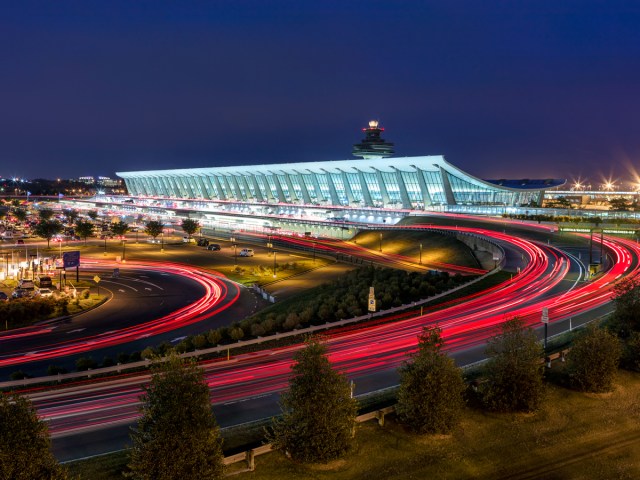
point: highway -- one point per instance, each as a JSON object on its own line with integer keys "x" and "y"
{"x": 93, "y": 417}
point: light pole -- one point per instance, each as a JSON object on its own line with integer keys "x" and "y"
{"x": 105, "y": 246}
{"x": 314, "y": 253}
{"x": 162, "y": 242}
{"x": 380, "y": 244}
{"x": 235, "y": 258}
{"x": 274, "y": 264}
{"x": 420, "y": 254}
{"x": 124, "y": 250}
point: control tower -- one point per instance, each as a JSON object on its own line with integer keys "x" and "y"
{"x": 373, "y": 146}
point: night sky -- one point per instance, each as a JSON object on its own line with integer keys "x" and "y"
{"x": 509, "y": 89}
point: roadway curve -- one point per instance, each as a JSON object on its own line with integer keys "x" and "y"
{"x": 134, "y": 319}
{"x": 90, "y": 418}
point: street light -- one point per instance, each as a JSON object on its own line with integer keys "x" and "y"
{"x": 420, "y": 254}
{"x": 105, "y": 246}
{"x": 162, "y": 242}
{"x": 124, "y": 243}
{"x": 235, "y": 258}
{"x": 380, "y": 245}
{"x": 274, "y": 264}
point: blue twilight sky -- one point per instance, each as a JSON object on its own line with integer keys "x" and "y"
{"x": 503, "y": 89}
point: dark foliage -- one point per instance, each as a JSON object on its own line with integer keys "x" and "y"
{"x": 318, "y": 413}
{"x": 430, "y": 399}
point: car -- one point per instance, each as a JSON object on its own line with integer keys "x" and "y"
{"x": 213, "y": 246}
{"x": 19, "y": 241}
{"x": 153, "y": 240}
{"x": 246, "y": 252}
{"x": 188, "y": 240}
{"x": 45, "y": 292}
{"x": 21, "y": 293}
{"x": 45, "y": 282}
{"x": 203, "y": 242}
{"x": 4, "y": 297}
{"x": 26, "y": 284}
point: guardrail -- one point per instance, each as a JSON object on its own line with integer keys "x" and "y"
{"x": 250, "y": 455}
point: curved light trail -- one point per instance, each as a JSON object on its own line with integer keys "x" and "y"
{"x": 209, "y": 304}
{"x": 369, "y": 349}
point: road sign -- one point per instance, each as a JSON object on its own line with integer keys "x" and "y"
{"x": 372, "y": 304}
{"x": 96, "y": 279}
{"x": 71, "y": 259}
{"x": 545, "y": 315}
{"x": 371, "y": 293}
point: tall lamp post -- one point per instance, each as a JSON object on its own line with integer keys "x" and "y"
{"x": 274, "y": 264}
{"x": 162, "y": 242}
{"x": 105, "y": 246}
{"x": 420, "y": 254}
{"x": 380, "y": 244}
{"x": 124, "y": 249}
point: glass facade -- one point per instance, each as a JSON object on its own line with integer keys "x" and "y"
{"x": 413, "y": 183}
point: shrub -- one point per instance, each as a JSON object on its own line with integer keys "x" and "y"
{"x": 593, "y": 360}
{"x": 85, "y": 363}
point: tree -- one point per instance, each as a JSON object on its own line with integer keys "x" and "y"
{"x": 177, "y": 435}
{"x": 514, "y": 370}
{"x": 47, "y": 229}
{"x": 190, "y": 226}
{"x": 71, "y": 215}
{"x": 84, "y": 229}
{"x": 318, "y": 413}
{"x": 593, "y": 360}
{"x": 93, "y": 214}
{"x": 119, "y": 228}
{"x": 20, "y": 214}
{"x": 431, "y": 387}
{"x": 25, "y": 443}
{"x": 620, "y": 204}
{"x": 626, "y": 316}
{"x": 153, "y": 228}
{"x": 45, "y": 214}
{"x": 631, "y": 353}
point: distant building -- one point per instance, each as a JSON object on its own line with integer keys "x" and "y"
{"x": 109, "y": 182}
{"x": 375, "y": 181}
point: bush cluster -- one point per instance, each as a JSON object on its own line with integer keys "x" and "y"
{"x": 24, "y": 311}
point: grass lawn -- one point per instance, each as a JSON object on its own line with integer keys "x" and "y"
{"x": 436, "y": 248}
{"x": 574, "y": 436}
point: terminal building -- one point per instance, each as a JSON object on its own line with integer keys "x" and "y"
{"x": 376, "y": 181}
{"x": 328, "y": 198}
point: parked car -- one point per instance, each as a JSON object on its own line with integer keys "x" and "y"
{"x": 188, "y": 240}
{"x": 45, "y": 292}
{"x": 21, "y": 293}
{"x": 4, "y": 297}
{"x": 203, "y": 242}
{"x": 25, "y": 284}
{"x": 213, "y": 246}
{"x": 45, "y": 282}
{"x": 246, "y": 252}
